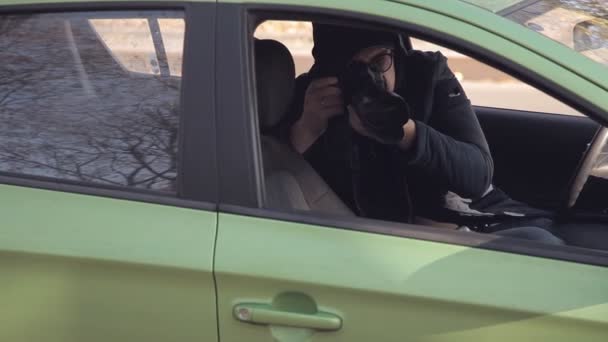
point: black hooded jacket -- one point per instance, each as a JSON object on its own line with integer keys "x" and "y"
{"x": 450, "y": 152}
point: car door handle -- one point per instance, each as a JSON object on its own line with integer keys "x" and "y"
{"x": 266, "y": 314}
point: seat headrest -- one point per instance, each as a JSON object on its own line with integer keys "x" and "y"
{"x": 275, "y": 80}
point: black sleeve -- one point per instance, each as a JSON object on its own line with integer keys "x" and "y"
{"x": 451, "y": 148}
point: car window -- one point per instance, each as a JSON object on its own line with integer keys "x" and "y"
{"x": 144, "y": 46}
{"x": 485, "y": 86}
{"x": 92, "y": 97}
{"x": 500, "y": 172}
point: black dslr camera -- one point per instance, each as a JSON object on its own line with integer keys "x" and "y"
{"x": 382, "y": 112}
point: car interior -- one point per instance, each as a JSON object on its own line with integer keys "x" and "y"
{"x": 537, "y": 165}
{"x": 291, "y": 183}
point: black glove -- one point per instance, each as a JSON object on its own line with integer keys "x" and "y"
{"x": 381, "y": 112}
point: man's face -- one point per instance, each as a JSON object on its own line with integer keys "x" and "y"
{"x": 382, "y": 59}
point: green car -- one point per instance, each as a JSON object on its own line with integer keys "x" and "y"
{"x": 134, "y": 182}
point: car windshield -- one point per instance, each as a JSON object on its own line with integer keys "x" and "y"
{"x": 581, "y": 25}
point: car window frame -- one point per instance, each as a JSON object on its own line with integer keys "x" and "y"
{"x": 239, "y": 151}
{"x": 197, "y": 171}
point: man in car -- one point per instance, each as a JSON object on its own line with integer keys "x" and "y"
{"x": 390, "y": 130}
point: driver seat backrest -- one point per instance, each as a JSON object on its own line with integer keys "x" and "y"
{"x": 290, "y": 182}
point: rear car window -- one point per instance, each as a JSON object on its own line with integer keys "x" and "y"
{"x": 92, "y": 97}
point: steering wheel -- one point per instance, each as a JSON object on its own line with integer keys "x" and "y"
{"x": 587, "y": 164}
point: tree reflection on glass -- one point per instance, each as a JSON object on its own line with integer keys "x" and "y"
{"x": 69, "y": 110}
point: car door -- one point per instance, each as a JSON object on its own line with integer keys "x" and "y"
{"x": 106, "y": 197}
{"x": 288, "y": 276}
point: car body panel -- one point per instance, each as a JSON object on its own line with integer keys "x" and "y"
{"x": 393, "y": 289}
{"x": 495, "y": 5}
{"x": 90, "y": 232}
{"x": 85, "y": 268}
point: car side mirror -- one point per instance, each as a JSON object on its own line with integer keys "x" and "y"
{"x": 591, "y": 35}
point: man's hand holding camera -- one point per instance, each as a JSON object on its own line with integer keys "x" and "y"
{"x": 373, "y": 110}
{"x": 322, "y": 101}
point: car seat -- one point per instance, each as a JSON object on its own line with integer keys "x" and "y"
{"x": 290, "y": 182}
